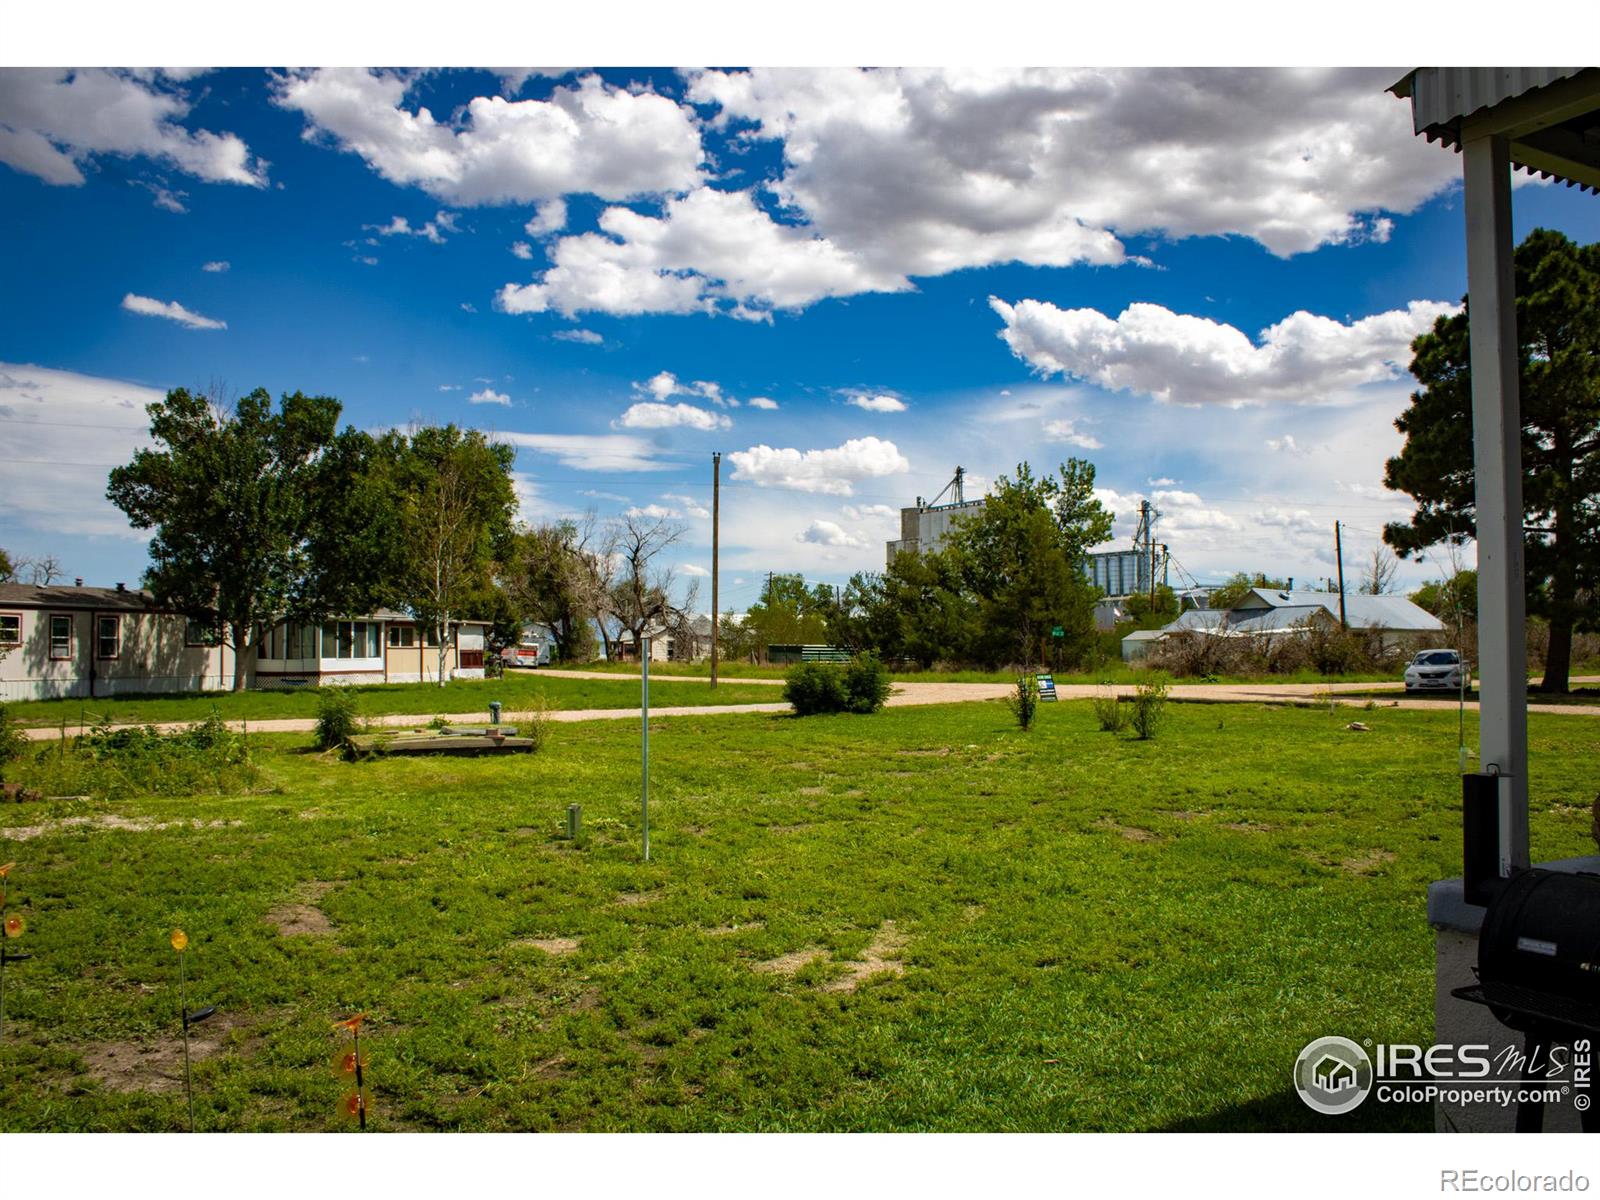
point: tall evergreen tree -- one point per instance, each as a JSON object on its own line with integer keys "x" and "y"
{"x": 1558, "y": 335}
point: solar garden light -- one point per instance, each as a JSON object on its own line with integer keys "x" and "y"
{"x": 352, "y": 1063}
{"x": 180, "y": 943}
{"x": 13, "y": 926}
{"x": 574, "y": 821}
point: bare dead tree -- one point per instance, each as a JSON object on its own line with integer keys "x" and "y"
{"x": 1378, "y": 577}
{"x": 641, "y": 595}
{"x": 41, "y": 570}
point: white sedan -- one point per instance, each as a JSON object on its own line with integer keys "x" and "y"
{"x": 1434, "y": 670}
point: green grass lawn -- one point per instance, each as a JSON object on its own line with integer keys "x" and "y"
{"x": 460, "y": 696}
{"x": 1059, "y": 930}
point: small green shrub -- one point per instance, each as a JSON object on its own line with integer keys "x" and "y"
{"x": 815, "y": 687}
{"x": 205, "y": 758}
{"x": 859, "y": 686}
{"x": 338, "y": 717}
{"x": 1024, "y": 701}
{"x": 866, "y": 683}
{"x": 1109, "y": 710}
{"x": 13, "y": 743}
{"x": 533, "y": 722}
{"x": 1149, "y": 703}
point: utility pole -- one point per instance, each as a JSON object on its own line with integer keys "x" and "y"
{"x": 716, "y": 527}
{"x": 1338, "y": 554}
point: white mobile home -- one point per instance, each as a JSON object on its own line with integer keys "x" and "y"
{"x": 89, "y": 642}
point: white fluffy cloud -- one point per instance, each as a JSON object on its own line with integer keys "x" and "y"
{"x": 664, "y": 385}
{"x": 549, "y": 217}
{"x": 171, "y": 310}
{"x": 216, "y": 268}
{"x": 53, "y": 121}
{"x": 1152, "y": 351}
{"x": 584, "y": 337}
{"x": 432, "y": 231}
{"x": 709, "y": 251}
{"x": 865, "y": 512}
{"x": 489, "y": 396}
{"x": 615, "y": 452}
{"x": 65, "y": 431}
{"x": 929, "y": 171}
{"x": 650, "y": 415}
{"x": 890, "y": 175}
{"x": 694, "y": 570}
{"x": 1066, "y": 430}
{"x": 588, "y": 137}
{"x": 688, "y": 504}
{"x": 834, "y": 471}
{"x": 765, "y": 402}
{"x": 828, "y": 533}
{"x": 893, "y": 174}
{"x": 881, "y": 404}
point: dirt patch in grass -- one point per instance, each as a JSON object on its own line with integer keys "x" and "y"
{"x": 1184, "y": 814}
{"x": 1132, "y": 833}
{"x": 157, "y": 1066}
{"x": 789, "y": 828}
{"x": 792, "y": 963}
{"x": 1246, "y": 826}
{"x": 634, "y": 899}
{"x": 1368, "y": 862}
{"x": 555, "y": 945}
{"x": 23, "y": 833}
{"x": 301, "y": 916}
{"x": 881, "y": 957}
{"x": 939, "y": 752}
{"x": 812, "y": 791}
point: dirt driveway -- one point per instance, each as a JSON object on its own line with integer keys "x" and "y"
{"x": 910, "y": 694}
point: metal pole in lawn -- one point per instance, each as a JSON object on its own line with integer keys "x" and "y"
{"x": 644, "y": 765}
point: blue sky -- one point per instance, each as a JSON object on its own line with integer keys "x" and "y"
{"x": 907, "y": 270}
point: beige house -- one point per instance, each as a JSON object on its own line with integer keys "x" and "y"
{"x": 73, "y": 641}
{"x": 386, "y": 647}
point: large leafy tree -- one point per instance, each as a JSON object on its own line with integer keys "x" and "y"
{"x": 229, "y": 493}
{"x": 455, "y": 502}
{"x": 789, "y": 613}
{"x": 1233, "y": 591}
{"x": 554, "y": 576}
{"x": 1558, "y": 335}
{"x": 1022, "y": 558}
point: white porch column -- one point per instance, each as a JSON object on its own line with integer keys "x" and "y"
{"x": 1497, "y": 461}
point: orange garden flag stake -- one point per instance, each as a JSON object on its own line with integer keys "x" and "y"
{"x": 353, "y": 1062}
{"x": 180, "y": 943}
{"x": 12, "y": 926}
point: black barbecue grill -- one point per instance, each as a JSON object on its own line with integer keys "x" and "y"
{"x": 1539, "y": 967}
